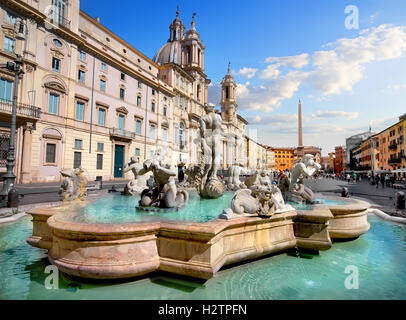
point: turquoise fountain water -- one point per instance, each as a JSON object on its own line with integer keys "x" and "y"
{"x": 379, "y": 255}
{"x": 115, "y": 208}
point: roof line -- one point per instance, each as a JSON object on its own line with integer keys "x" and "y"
{"x": 119, "y": 39}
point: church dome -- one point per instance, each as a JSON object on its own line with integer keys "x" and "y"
{"x": 168, "y": 53}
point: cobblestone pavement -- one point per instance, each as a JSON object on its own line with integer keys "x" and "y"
{"x": 382, "y": 198}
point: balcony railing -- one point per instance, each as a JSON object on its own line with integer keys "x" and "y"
{"x": 395, "y": 160}
{"x": 122, "y": 133}
{"x": 23, "y": 109}
{"x": 393, "y": 146}
{"x": 59, "y": 19}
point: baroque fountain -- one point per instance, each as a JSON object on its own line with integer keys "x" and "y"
{"x": 248, "y": 221}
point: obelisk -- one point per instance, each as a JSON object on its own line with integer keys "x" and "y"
{"x": 300, "y": 131}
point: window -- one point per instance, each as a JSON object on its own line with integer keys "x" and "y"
{"x": 80, "y": 107}
{"x": 57, "y": 43}
{"x": 153, "y": 92}
{"x": 11, "y": 18}
{"x": 152, "y": 131}
{"x": 82, "y": 55}
{"x": 164, "y": 111}
{"x": 50, "y": 153}
{"x": 77, "y": 159}
{"x": 120, "y": 122}
{"x": 137, "y": 151}
{"x": 5, "y": 89}
{"x": 99, "y": 164}
{"x": 100, "y": 146}
{"x": 138, "y": 101}
{"x": 9, "y": 44}
{"x": 56, "y": 64}
{"x": 181, "y": 133}
{"x": 103, "y": 66}
{"x": 122, "y": 93}
{"x": 59, "y": 12}
{"x": 122, "y": 76}
{"x": 78, "y": 144}
{"x": 164, "y": 134}
{"x": 139, "y": 85}
{"x": 101, "y": 117}
{"x": 152, "y": 107}
{"x": 138, "y": 127}
{"x": 102, "y": 85}
{"x": 81, "y": 76}
{"x": 181, "y": 102}
{"x": 53, "y": 103}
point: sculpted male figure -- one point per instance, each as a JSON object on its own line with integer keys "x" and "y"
{"x": 234, "y": 173}
{"x": 138, "y": 183}
{"x": 210, "y": 131}
{"x": 303, "y": 169}
{"x": 165, "y": 194}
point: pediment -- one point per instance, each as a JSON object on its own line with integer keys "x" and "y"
{"x": 122, "y": 110}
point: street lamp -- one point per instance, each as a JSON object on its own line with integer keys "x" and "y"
{"x": 16, "y": 68}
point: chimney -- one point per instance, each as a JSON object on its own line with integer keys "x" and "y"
{"x": 98, "y": 19}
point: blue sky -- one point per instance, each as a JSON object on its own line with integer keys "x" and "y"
{"x": 283, "y": 50}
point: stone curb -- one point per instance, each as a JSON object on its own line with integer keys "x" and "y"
{"x": 6, "y": 215}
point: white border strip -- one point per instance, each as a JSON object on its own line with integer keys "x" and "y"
{"x": 386, "y": 216}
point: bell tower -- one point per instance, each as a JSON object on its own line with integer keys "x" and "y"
{"x": 228, "y": 97}
{"x": 193, "y": 48}
{"x": 176, "y": 29}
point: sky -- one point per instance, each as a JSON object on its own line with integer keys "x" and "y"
{"x": 345, "y": 60}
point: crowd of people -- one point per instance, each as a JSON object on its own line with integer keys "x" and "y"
{"x": 383, "y": 179}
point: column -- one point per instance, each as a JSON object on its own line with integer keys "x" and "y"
{"x": 26, "y": 154}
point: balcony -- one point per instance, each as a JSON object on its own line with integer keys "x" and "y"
{"x": 393, "y": 146}
{"x": 23, "y": 110}
{"x": 182, "y": 145}
{"x": 122, "y": 134}
{"x": 395, "y": 160}
{"x": 59, "y": 19}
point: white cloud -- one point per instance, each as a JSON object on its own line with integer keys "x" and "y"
{"x": 296, "y": 62}
{"x": 267, "y": 96}
{"x": 397, "y": 86}
{"x": 330, "y": 71}
{"x": 335, "y": 114}
{"x": 272, "y": 119}
{"x": 246, "y": 72}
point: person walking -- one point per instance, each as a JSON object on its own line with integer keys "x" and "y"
{"x": 354, "y": 177}
{"x": 393, "y": 179}
{"x": 348, "y": 178}
{"x": 383, "y": 180}
{"x": 387, "y": 180}
{"x": 377, "y": 181}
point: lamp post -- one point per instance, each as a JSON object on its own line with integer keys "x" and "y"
{"x": 16, "y": 68}
{"x": 9, "y": 177}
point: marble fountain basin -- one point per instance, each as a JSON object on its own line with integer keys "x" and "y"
{"x": 349, "y": 215}
{"x": 92, "y": 248}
